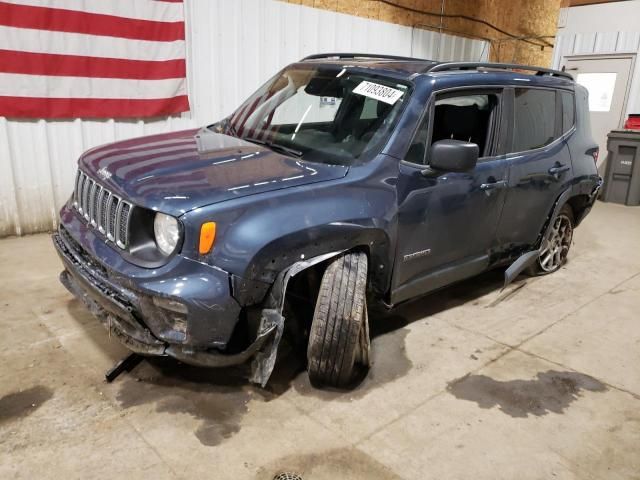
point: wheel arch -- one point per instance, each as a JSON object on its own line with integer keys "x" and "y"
{"x": 561, "y": 201}
{"x": 302, "y": 288}
{"x": 272, "y": 312}
{"x": 580, "y": 205}
{"x": 303, "y": 247}
{"x": 528, "y": 257}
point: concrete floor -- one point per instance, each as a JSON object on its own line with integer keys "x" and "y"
{"x": 540, "y": 381}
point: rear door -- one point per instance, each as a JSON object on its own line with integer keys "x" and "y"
{"x": 539, "y": 164}
{"x": 447, "y": 223}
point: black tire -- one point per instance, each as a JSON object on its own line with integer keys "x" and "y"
{"x": 561, "y": 242}
{"x": 339, "y": 323}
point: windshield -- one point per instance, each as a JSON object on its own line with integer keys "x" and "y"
{"x": 323, "y": 114}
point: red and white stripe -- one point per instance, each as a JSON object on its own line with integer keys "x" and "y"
{"x": 98, "y": 59}
{"x": 253, "y": 119}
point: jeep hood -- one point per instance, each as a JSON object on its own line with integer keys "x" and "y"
{"x": 180, "y": 171}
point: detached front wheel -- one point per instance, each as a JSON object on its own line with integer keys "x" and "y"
{"x": 339, "y": 337}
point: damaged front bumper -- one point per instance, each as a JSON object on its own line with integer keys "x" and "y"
{"x": 189, "y": 327}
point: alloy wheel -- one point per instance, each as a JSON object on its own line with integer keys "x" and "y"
{"x": 556, "y": 244}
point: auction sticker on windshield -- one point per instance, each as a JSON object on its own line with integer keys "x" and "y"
{"x": 378, "y": 92}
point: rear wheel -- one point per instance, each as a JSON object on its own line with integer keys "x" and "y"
{"x": 339, "y": 336}
{"x": 556, "y": 244}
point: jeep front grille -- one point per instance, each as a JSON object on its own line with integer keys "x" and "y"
{"x": 102, "y": 209}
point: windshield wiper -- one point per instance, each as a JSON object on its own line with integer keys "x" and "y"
{"x": 275, "y": 146}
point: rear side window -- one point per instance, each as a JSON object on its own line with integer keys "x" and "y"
{"x": 568, "y": 111}
{"x": 535, "y": 118}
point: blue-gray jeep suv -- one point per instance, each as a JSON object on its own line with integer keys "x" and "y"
{"x": 346, "y": 179}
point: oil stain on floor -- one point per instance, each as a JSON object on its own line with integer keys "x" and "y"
{"x": 218, "y": 398}
{"x": 21, "y": 404}
{"x": 549, "y": 391}
{"x": 341, "y": 463}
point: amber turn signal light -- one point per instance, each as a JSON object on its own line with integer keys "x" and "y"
{"x": 207, "y": 237}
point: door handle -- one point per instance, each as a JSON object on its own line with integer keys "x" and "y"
{"x": 558, "y": 169}
{"x": 493, "y": 185}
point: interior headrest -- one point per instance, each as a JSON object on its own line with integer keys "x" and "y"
{"x": 461, "y": 122}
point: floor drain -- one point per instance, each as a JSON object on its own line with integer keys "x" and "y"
{"x": 287, "y": 476}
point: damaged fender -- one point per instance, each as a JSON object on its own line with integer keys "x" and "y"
{"x": 265, "y": 359}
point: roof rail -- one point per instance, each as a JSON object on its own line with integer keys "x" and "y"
{"x": 318, "y": 56}
{"x": 442, "y": 67}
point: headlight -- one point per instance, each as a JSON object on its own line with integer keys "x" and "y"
{"x": 167, "y": 232}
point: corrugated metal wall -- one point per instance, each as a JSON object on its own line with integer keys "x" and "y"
{"x": 601, "y": 43}
{"x": 232, "y": 47}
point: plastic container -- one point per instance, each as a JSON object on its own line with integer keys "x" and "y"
{"x": 633, "y": 122}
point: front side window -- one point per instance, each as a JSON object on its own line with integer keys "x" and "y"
{"x": 326, "y": 114}
{"x": 468, "y": 117}
{"x": 534, "y": 118}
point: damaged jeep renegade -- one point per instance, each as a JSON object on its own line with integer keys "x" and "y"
{"x": 346, "y": 180}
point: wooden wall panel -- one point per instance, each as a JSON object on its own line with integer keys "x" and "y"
{"x": 527, "y": 18}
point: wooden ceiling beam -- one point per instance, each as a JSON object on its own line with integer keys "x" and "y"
{"x": 579, "y": 3}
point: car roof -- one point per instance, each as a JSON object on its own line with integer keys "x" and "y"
{"x": 406, "y": 67}
{"x": 409, "y": 68}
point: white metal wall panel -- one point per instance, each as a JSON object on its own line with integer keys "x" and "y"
{"x": 584, "y": 43}
{"x": 429, "y": 44}
{"x": 628, "y": 41}
{"x": 606, "y": 42}
{"x": 232, "y": 47}
{"x": 605, "y": 28}
{"x": 594, "y": 43}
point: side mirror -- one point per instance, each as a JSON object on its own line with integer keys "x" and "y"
{"x": 453, "y": 156}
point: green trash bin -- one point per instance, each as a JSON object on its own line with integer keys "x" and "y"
{"x": 622, "y": 173}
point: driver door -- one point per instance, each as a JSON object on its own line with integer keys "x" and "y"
{"x": 447, "y": 221}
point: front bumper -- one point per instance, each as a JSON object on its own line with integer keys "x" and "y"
{"x": 184, "y": 310}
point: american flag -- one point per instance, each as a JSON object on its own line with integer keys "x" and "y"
{"x": 92, "y": 59}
